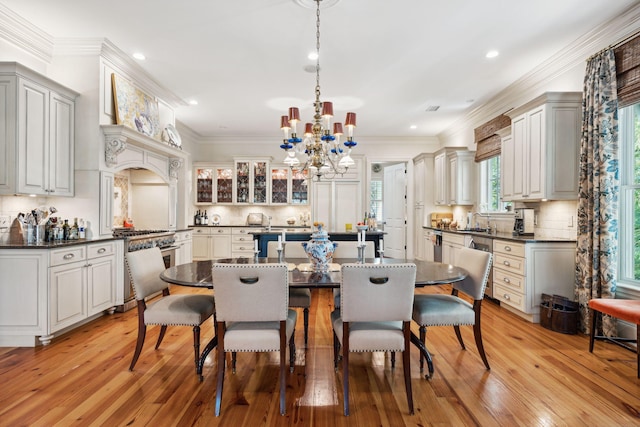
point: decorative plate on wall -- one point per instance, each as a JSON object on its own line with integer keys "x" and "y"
{"x": 172, "y": 136}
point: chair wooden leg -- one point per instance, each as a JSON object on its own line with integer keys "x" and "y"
{"x": 220, "y": 382}
{"x": 336, "y": 344}
{"x": 196, "y": 346}
{"x": 142, "y": 332}
{"x": 592, "y": 332}
{"x": 456, "y": 328}
{"x": 234, "y": 359}
{"x": 306, "y": 325}
{"x": 638, "y": 347}
{"x": 477, "y": 333}
{"x": 406, "y": 363}
{"x": 423, "y": 339}
{"x": 393, "y": 359}
{"x": 292, "y": 351}
{"x": 345, "y": 366}
{"x": 163, "y": 329}
{"x": 283, "y": 356}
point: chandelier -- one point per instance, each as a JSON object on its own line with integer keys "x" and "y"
{"x": 320, "y": 150}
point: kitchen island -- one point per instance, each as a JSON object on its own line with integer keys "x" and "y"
{"x": 263, "y": 237}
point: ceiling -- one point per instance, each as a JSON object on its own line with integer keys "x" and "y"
{"x": 245, "y": 62}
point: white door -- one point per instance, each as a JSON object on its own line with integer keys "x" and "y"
{"x": 394, "y": 207}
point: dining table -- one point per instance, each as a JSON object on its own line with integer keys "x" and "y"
{"x": 302, "y": 274}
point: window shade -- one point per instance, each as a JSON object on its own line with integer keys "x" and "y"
{"x": 628, "y": 72}
{"x": 487, "y": 141}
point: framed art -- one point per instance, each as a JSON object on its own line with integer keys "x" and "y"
{"x": 134, "y": 108}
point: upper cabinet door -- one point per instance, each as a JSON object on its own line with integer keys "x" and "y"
{"x": 280, "y": 180}
{"x": 300, "y": 188}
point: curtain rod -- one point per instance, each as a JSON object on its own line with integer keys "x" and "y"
{"x": 616, "y": 44}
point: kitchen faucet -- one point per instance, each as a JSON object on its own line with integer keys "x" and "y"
{"x": 486, "y": 215}
{"x": 269, "y": 223}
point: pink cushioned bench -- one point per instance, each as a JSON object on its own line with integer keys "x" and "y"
{"x": 623, "y": 309}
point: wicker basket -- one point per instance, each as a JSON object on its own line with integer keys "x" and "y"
{"x": 559, "y": 314}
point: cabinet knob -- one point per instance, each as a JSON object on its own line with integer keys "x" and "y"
{"x": 68, "y": 256}
{"x": 507, "y": 263}
{"x": 507, "y": 297}
{"x": 507, "y": 248}
{"x": 220, "y": 231}
{"x": 101, "y": 250}
{"x": 506, "y": 280}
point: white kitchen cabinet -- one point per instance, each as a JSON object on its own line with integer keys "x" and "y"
{"x": 507, "y": 163}
{"x": 462, "y": 183}
{"x": 341, "y": 200}
{"x": 440, "y": 178}
{"x": 37, "y": 147}
{"x": 45, "y": 291}
{"x": 428, "y": 242}
{"x": 213, "y": 184}
{"x": 242, "y": 245}
{"x": 211, "y": 243}
{"x": 184, "y": 242}
{"x": 251, "y": 181}
{"x": 454, "y": 177}
{"x": 522, "y": 272}
{"x": 423, "y": 198}
{"x": 452, "y": 243}
{"x": 542, "y": 158}
{"x": 287, "y": 186}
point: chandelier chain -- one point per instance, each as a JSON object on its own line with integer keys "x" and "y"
{"x": 318, "y": 51}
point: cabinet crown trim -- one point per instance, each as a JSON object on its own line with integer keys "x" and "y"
{"x": 546, "y": 98}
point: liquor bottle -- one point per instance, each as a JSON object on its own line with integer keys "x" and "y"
{"x": 206, "y": 218}
{"x": 196, "y": 218}
{"x": 65, "y": 230}
{"x": 75, "y": 230}
{"x": 81, "y": 229}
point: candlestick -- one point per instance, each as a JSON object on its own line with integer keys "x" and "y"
{"x": 279, "y": 243}
{"x": 255, "y": 245}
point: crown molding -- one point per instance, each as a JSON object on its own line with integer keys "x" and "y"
{"x": 26, "y": 36}
{"x": 534, "y": 82}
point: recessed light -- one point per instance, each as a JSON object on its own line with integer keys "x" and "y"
{"x": 492, "y": 54}
{"x": 413, "y": 127}
{"x": 193, "y": 102}
{"x": 313, "y": 56}
{"x": 140, "y": 56}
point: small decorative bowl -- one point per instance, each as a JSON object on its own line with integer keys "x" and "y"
{"x": 291, "y": 221}
{"x": 362, "y": 227}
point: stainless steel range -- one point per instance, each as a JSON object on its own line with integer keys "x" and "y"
{"x": 136, "y": 240}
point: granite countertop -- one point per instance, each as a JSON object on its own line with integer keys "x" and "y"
{"x": 55, "y": 245}
{"x": 505, "y": 236}
{"x": 331, "y": 233}
{"x": 277, "y": 227}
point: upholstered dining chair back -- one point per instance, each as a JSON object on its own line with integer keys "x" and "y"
{"x": 377, "y": 292}
{"x": 251, "y": 292}
{"x": 478, "y": 264}
{"x": 350, "y": 250}
{"x": 291, "y": 250}
{"x": 144, "y": 268}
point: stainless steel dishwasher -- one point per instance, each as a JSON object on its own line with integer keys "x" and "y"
{"x": 484, "y": 244}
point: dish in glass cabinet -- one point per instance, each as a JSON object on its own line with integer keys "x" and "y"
{"x": 172, "y": 136}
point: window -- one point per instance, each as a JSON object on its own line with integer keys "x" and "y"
{"x": 629, "y": 216}
{"x": 375, "y": 198}
{"x": 490, "y": 186}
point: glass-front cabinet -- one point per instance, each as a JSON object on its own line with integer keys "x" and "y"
{"x": 300, "y": 188}
{"x": 251, "y": 182}
{"x": 280, "y": 185}
{"x": 214, "y": 184}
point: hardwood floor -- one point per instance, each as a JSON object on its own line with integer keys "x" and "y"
{"x": 537, "y": 378}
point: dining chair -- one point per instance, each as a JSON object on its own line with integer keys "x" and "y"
{"x": 144, "y": 268}
{"x": 350, "y": 250}
{"x": 298, "y": 297}
{"x": 253, "y": 315}
{"x": 443, "y": 310}
{"x": 374, "y": 315}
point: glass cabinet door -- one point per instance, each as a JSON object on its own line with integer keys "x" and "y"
{"x": 260, "y": 182}
{"x": 224, "y": 185}
{"x": 299, "y": 188}
{"x": 280, "y": 185}
{"x": 204, "y": 185}
{"x": 242, "y": 182}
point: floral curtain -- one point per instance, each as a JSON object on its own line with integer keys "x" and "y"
{"x": 597, "y": 245}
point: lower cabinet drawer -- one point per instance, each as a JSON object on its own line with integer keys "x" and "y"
{"x": 67, "y": 255}
{"x": 509, "y": 280}
{"x": 508, "y": 296}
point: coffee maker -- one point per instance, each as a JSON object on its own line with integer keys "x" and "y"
{"x": 523, "y": 225}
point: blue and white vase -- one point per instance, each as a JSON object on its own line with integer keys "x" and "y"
{"x": 319, "y": 250}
